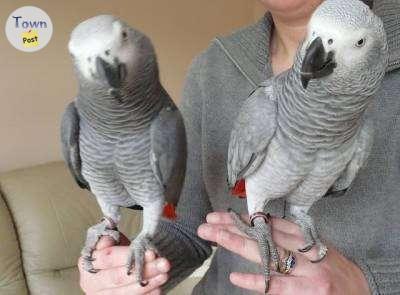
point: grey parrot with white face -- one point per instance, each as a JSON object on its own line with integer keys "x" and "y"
{"x": 122, "y": 137}
{"x": 307, "y": 130}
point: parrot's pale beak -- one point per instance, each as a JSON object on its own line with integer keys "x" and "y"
{"x": 113, "y": 73}
{"x": 316, "y": 63}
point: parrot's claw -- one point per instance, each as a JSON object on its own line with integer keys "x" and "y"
{"x": 261, "y": 232}
{"x": 93, "y": 271}
{"x": 322, "y": 252}
{"x": 137, "y": 252}
{"x": 94, "y": 233}
{"x": 144, "y": 283}
{"x": 88, "y": 265}
{"x": 306, "y": 248}
{"x": 310, "y": 236}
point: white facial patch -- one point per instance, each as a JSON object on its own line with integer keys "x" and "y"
{"x": 101, "y": 36}
{"x": 338, "y": 38}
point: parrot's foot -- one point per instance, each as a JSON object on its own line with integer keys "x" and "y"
{"x": 137, "y": 251}
{"x": 105, "y": 228}
{"x": 260, "y": 230}
{"x": 310, "y": 234}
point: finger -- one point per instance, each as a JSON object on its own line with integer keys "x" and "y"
{"x": 279, "y": 224}
{"x": 135, "y": 288}
{"x": 155, "y": 292}
{"x": 246, "y": 247}
{"x": 210, "y": 229}
{"x": 281, "y": 285}
{"x": 117, "y": 277}
{"x": 285, "y": 226}
{"x": 105, "y": 242}
{"x": 236, "y": 243}
{"x": 116, "y": 256}
{"x": 302, "y": 267}
{"x": 222, "y": 218}
{"x": 294, "y": 243}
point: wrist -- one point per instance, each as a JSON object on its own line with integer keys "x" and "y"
{"x": 366, "y": 279}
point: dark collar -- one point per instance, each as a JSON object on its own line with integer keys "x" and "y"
{"x": 248, "y": 48}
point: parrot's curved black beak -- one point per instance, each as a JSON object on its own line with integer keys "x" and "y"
{"x": 113, "y": 73}
{"x": 316, "y": 63}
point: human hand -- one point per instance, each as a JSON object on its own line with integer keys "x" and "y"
{"x": 333, "y": 275}
{"x": 112, "y": 277}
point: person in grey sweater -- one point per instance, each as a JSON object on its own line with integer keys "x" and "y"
{"x": 362, "y": 223}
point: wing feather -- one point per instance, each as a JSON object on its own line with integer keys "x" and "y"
{"x": 70, "y": 144}
{"x": 168, "y": 151}
{"x": 252, "y": 133}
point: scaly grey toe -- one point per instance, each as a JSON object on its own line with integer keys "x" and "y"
{"x": 239, "y": 223}
{"x": 138, "y": 249}
{"x": 261, "y": 232}
{"x": 93, "y": 235}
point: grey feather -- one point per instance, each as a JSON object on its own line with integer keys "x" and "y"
{"x": 310, "y": 131}
{"x": 70, "y": 144}
{"x": 126, "y": 136}
{"x": 247, "y": 146}
{"x": 168, "y": 151}
{"x": 363, "y": 148}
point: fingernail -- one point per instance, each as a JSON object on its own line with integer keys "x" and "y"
{"x": 161, "y": 265}
{"x": 233, "y": 277}
{"x": 212, "y": 217}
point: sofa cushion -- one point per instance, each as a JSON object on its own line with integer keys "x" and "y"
{"x": 51, "y": 215}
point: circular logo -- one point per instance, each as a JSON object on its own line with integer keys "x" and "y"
{"x": 29, "y": 28}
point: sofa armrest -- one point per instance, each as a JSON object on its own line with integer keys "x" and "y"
{"x": 12, "y": 280}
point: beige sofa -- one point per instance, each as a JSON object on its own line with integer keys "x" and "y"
{"x": 43, "y": 222}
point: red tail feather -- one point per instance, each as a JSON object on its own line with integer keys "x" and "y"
{"x": 239, "y": 190}
{"x": 169, "y": 211}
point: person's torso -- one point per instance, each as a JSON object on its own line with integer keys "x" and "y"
{"x": 361, "y": 222}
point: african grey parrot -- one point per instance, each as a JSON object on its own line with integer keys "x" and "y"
{"x": 306, "y": 130}
{"x": 123, "y": 137}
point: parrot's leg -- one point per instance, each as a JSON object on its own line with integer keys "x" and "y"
{"x": 107, "y": 227}
{"x": 260, "y": 230}
{"x": 300, "y": 216}
{"x": 142, "y": 242}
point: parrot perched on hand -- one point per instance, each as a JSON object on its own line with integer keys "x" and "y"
{"x": 307, "y": 130}
{"x": 123, "y": 138}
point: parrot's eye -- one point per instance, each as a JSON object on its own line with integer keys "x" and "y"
{"x": 124, "y": 35}
{"x": 330, "y": 41}
{"x": 360, "y": 43}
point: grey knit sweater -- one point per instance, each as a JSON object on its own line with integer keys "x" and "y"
{"x": 363, "y": 223}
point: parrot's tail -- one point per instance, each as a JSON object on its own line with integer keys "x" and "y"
{"x": 239, "y": 190}
{"x": 169, "y": 211}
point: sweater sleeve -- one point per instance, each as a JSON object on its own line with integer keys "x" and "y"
{"x": 178, "y": 241}
{"x": 382, "y": 274}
